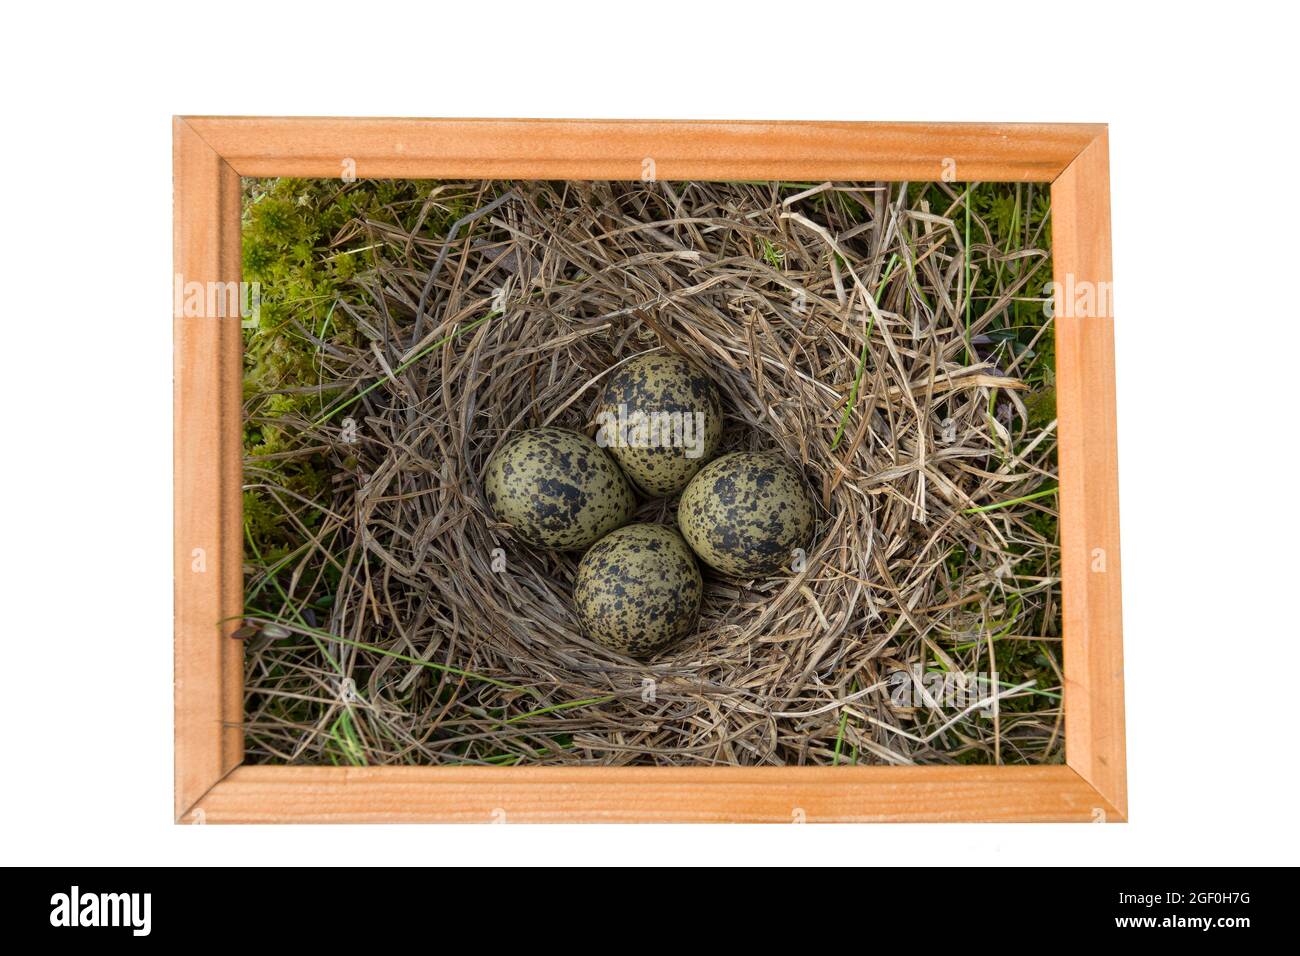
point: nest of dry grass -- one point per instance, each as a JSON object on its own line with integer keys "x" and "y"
{"x": 835, "y": 321}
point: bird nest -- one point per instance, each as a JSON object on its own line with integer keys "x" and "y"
{"x": 873, "y": 334}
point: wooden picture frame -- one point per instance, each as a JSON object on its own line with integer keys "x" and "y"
{"x": 212, "y": 785}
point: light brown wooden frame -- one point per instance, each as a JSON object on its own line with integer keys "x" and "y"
{"x": 210, "y": 156}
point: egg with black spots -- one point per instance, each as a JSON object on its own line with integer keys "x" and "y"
{"x": 745, "y": 513}
{"x": 557, "y": 489}
{"x": 661, "y": 419}
{"x": 638, "y": 589}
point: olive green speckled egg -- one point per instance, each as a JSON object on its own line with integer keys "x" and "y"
{"x": 661, "y": 418}
{"x": 638, "y": 589}
{"x": 557, "y": 489}
{"x": 745, "y": 513}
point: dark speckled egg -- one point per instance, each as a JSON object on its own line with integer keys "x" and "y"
{"x": 638, "y": 589}
{"x": 745, "y": 513}
{"x": 557, "y": 489}
{"x": 661, "y": 418}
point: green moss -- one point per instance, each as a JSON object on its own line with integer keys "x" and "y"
{"x": 303, "y": 245}
{"x": 1041, "y": 405}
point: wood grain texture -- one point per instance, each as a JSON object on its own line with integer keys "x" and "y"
{"x": 617, "y": 149}
{"x": 210, "y": 154}
{"x": 257, "y": 794}
{"x": 1089, "y": 475}
{"x": 207, "y": 572}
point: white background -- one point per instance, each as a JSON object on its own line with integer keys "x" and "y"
{"x": 1202, "y": 113}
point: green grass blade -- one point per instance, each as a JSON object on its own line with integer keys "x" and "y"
{"x": 1012, "y": 501}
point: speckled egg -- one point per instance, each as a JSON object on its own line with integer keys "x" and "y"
{"x": 745, "y": 513}
{"x": 661, "y": 418}
{"x": 638, "y": 589}
{"x": 557, "y": 489}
